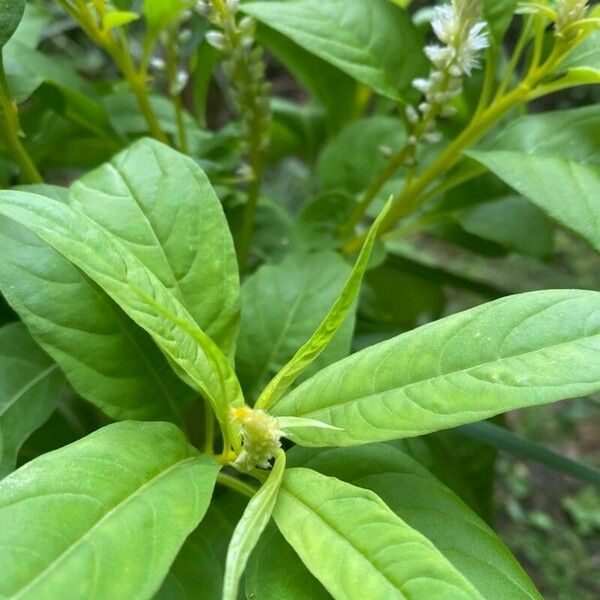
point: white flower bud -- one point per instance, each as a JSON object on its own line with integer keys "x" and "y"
{"x": 432, "y": 137}
{"x": 412, "y": 115}
{"x": 421, "y": 85}
{"x": 217, "y": 40}
{"x": 157, "y": 63}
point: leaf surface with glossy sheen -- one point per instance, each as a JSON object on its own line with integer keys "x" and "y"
{"x": 518, "y": 351}
{"x": 103, "y": 517}
{"x": 357, "y": 547}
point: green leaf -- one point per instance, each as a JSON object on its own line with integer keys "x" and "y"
{"x": 566, "y": 190}
{"x": 162, "y": 207}
{"x": 515, "y": 352}
{"x": 506, "y": 440}
{"x": 426, "y": 505}
{"x": 585, "y": 54}
{"x": 498, "y": 14}
{"x": 512, "y": 222}
{"x": 27, "y": 69}
{"x": 117, "y": 18}
{"x": 329, "y": 326}
{"x": 357, "y": 547}
{"x": 330, "y": 86}
{"x": 354, "y": 157}
{"x": 160, "y": 14}
{"x": 11, "y": 13}
{"x": 108, "y": 359}
{"x": 275, "y": 572}
{"x": 250, "y": 528}
{"x": 282, "y": 305}
{"x": 375, "y": 42}
{"x": 103, "y": 517}
{"x": 197, "y": 572}
{"x": 136, "y": 289}
{"x": 571, "y": 134}
{"x": 30, "y": 386}
{"x": 554, "y": 161}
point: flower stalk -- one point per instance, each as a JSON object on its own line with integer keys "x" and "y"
{"x": 245, "y": 68}
{"x": 11, "y": 129}
{"x": 416, "y": 190}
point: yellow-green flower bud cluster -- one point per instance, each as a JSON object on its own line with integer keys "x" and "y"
{"x": 261, "y": 438}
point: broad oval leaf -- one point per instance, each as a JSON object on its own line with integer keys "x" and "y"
{"x": 250, "y": 527}
{"x": 282, "y": 305}
{"x": 421, "y": 500}
{"x": 514, "y": 352}
{"x": 103, "y": 517}
{"x": 375, "y": 42}
{"x": 108, "y": 359}
{"x": 162, "y": 207}
{"x": 357, "y": 547}
{"x": 30, "y": 386}
{"x": 11, "y": 13}
{"x": 136, "y": 289}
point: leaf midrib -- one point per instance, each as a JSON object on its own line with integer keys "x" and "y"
{"x": 105, "y": 517}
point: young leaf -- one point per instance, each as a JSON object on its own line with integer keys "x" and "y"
{"x": 136, "y": 289}
{"x": 161, "y": 206}
{"x": 108, "y": 359}
{"x": 518, "y": 351}
{"x": 328, "y": 327}
{"x": 374, "y": 42}
{"x": 250, "y": 527}
{"x": 30, "y": 386}
{"x": 282, "y": 305}
{"x": 11, "y": 13}
{"x": 357, "y": 547}
{"x": 103, "y": 517}
{"x": 425, "y": 504}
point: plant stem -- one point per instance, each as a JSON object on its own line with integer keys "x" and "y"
{"x": 233, "y": 483}
{"x": 209, "y": 429}
{"x": 250, "y": 215}
{"x": 121, "y": 55}
{"x": 175, "y": 96}
{"x": 409, "y": 199}
{"x": 516, "y": 55}
{"x": 11, "y": 130}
